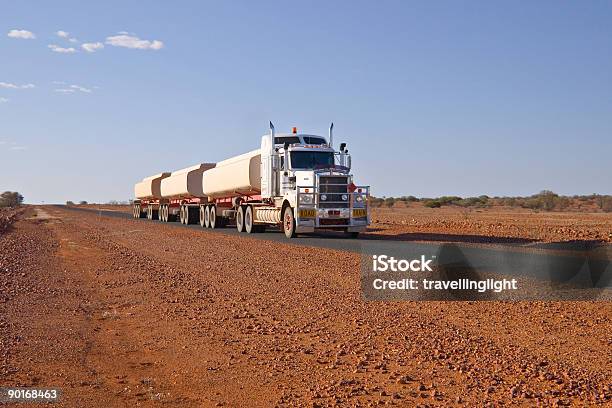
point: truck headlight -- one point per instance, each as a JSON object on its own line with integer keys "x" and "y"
{"x": 306, "y": 199}
{"x": 359, "y": 198}
{"x": 323, "y": 197}
{"x": 344, "y": 197}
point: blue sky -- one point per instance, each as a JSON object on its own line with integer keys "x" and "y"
{"x": 433, "y": 98}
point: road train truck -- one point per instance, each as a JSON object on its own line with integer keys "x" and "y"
{"x": 294, "y": 181}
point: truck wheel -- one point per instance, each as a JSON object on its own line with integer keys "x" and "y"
{"x": 183, "y": 215}
{"x": 169, "y": 217}
{"x": 202, "y": 211}
{"x": 140, "y": 213}
{"x": 249, "y": 225}
{"x": 189, "y": 215}
{"x": 207, "y": 216}
{"x": 212, "y": 218}
{"x": 149, "y": 214}
{"x": 289, "y": 222}
{"x": 240, "y": 219}
{"x": 161, "y": 213}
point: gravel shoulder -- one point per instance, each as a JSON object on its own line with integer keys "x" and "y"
{"x": 119, "y": 312}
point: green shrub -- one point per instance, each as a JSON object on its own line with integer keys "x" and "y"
{"x": 10, "y": 199}
{"x": 433, "y": 204}
{"x": 606, "y": 204}
{"x": 389, "y": 202}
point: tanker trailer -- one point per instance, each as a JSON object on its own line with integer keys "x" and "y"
{"x": 294, "y": 181}
{"x": 148, "y": 196}
{"x": 182, "y": 194}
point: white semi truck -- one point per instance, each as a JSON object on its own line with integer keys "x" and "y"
{"x": 295, "y": 181}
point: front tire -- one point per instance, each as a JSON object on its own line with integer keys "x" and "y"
{"x": 289, "y": 222}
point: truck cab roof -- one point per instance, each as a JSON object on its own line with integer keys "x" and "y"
{"x": 299, "y": 138}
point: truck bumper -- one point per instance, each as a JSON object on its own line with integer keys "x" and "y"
{"x": 340, "y": 220}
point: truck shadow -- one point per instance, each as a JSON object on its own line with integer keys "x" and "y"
{"x": 458, "y": 238}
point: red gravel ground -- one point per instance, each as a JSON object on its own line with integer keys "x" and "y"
{"x": 127, "y": 313}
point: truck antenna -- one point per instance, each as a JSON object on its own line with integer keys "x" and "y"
{"x": 331, "y": 135}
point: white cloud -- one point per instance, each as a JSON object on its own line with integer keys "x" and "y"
{"x": 73, "y": 88}
{"x": 18, "y": 148}
{"x": 73, "y": 40}
{"x": 92, "y": 47}
{"x": 3, "y": 100}
{"x": 8, "y": 85}
{"x": 80, "y": 88}
{"x": 131, "y": 41}
{"x": 62, "y": 34}
{"x": 22, "y": 34}
{"x": 57, "y": 48}
{"x": 59, "y": 82}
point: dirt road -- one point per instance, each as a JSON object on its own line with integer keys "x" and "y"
{"x": 118, "y": 312}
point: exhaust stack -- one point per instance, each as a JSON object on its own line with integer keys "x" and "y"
{"x": 331, "y": 135}
{"x": 272, "y": 133}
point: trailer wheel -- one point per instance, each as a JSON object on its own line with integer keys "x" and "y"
{"x": 202, "y": 212}
{"x": 240, "y": 219}
{"x": 213, "y": 222}
{"x": 289, "y": 222}
{"x": 161, "y": 213}
{"x": 249, "y": 226}
{"x": 207, "y": 216}
{"x": 140, "y": 213}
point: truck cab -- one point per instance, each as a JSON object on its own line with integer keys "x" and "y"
{"x": 312, "y": 179}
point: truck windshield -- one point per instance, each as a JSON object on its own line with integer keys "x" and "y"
{"x": 312, "y": 160}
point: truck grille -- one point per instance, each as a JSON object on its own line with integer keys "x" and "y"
{"x": 333, "y": 187}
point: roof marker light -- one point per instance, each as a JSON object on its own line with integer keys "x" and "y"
{"x": 294, "y": 130}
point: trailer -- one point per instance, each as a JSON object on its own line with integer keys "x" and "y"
{"x": 294, "y": 181}
{"x": 182, "y": 194}
{"x": 148, "y": 196}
